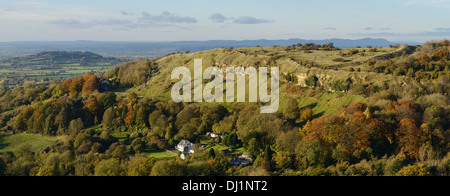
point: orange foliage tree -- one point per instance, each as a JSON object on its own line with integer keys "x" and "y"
{"x": 90, "y": 84}
{"x": 76, "y": 86}
{"x": 84, "y": 85}
{"x": 423, "y": 59}
{"x": 65, "y": 86}
{"x": 409, "y": 136}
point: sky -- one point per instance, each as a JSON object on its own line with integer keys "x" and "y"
{"x": 181, "y": 20}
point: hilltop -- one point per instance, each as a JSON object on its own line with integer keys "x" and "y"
{"x": 152, "y": 49}
{"x": 51, "y": 59}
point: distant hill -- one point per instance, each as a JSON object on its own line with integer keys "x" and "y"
{"x": 52, "y": 59}
{"x": 155, "y": 49}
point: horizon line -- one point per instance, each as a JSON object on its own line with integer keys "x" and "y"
{"x": 167, "y": 41}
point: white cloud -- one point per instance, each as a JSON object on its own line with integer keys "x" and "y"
{"x": 251, "y": 20}
{"x": 218, "y": 18}
{"x": 164, "y": 18}
{"x": 409, "y": 3}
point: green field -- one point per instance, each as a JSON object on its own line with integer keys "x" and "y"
{"x": 328, "y": 102}
{"x": 162, "y": 154}
{"x": 36, "y": 142}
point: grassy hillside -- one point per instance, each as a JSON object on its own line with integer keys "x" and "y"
{"x": 37, "y": 143}
{"x": 302, "y": 63}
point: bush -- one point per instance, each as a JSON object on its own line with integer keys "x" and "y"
{"x": 312, "y": 81}
{"x": 339, "y": 86}
{"x": 339, "y": 60}
{"x": 440, "y": 55}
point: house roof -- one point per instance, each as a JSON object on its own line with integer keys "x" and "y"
{"x": 185, "y": 143}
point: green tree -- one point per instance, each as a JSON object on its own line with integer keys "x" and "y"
{"x": 311, "y": 81}
{"x": 140, "y": 166}
{"x": 120, "y": 152}
{"x": 285, "y": 160}
{"x": 20, "y": 124}
{"x": 168, "y": 168}
{"x": 211, "y": 154}
{"x": 109, "y": 100}
{"x": 108, "y": 118}
{"x": 2, "y": 167}
{"x": 253, "y": 148}
{"x": 49, "y": 127}
{"x": 109, "y": 167}
{"x": 219, "y": 165}
{"x": 291, "y": 110}
{"x": 232, "y": 140}
{"x": 138, "y": 145}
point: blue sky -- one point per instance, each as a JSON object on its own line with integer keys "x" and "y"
{"x": 175, "y": 20}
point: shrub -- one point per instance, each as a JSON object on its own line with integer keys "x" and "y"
{"x": 312, "y": 81}
{"x": 339, "y": 86}
{"x": 339, "y": 60}
{"x": 440, "y": 55}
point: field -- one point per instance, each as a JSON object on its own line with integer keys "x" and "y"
{"x": 37, "y": 143}
{"x": 162, "y": 154}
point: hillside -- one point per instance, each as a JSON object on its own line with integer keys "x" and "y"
{"x": 343, "y": 112}
{"x": 331, "y": 65}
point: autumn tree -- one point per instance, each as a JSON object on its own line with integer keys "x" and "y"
{"x": 306, "y": 115}
{"x": 90, "y": 84}
{"x": 409, "y": 138}
{"x": 76, "y": 86}
{"x": 65, "y": 86}
{"x": 93, "y": 109}
{"x": 446, "y": 43}
{"x": 423, "y": 59}
{"x": 414, "y": 170}
{"x": 440, "y": 55}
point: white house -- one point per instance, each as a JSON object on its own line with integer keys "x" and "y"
{"x": 215, "y": 135}
{"x": 184, "y": 146}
